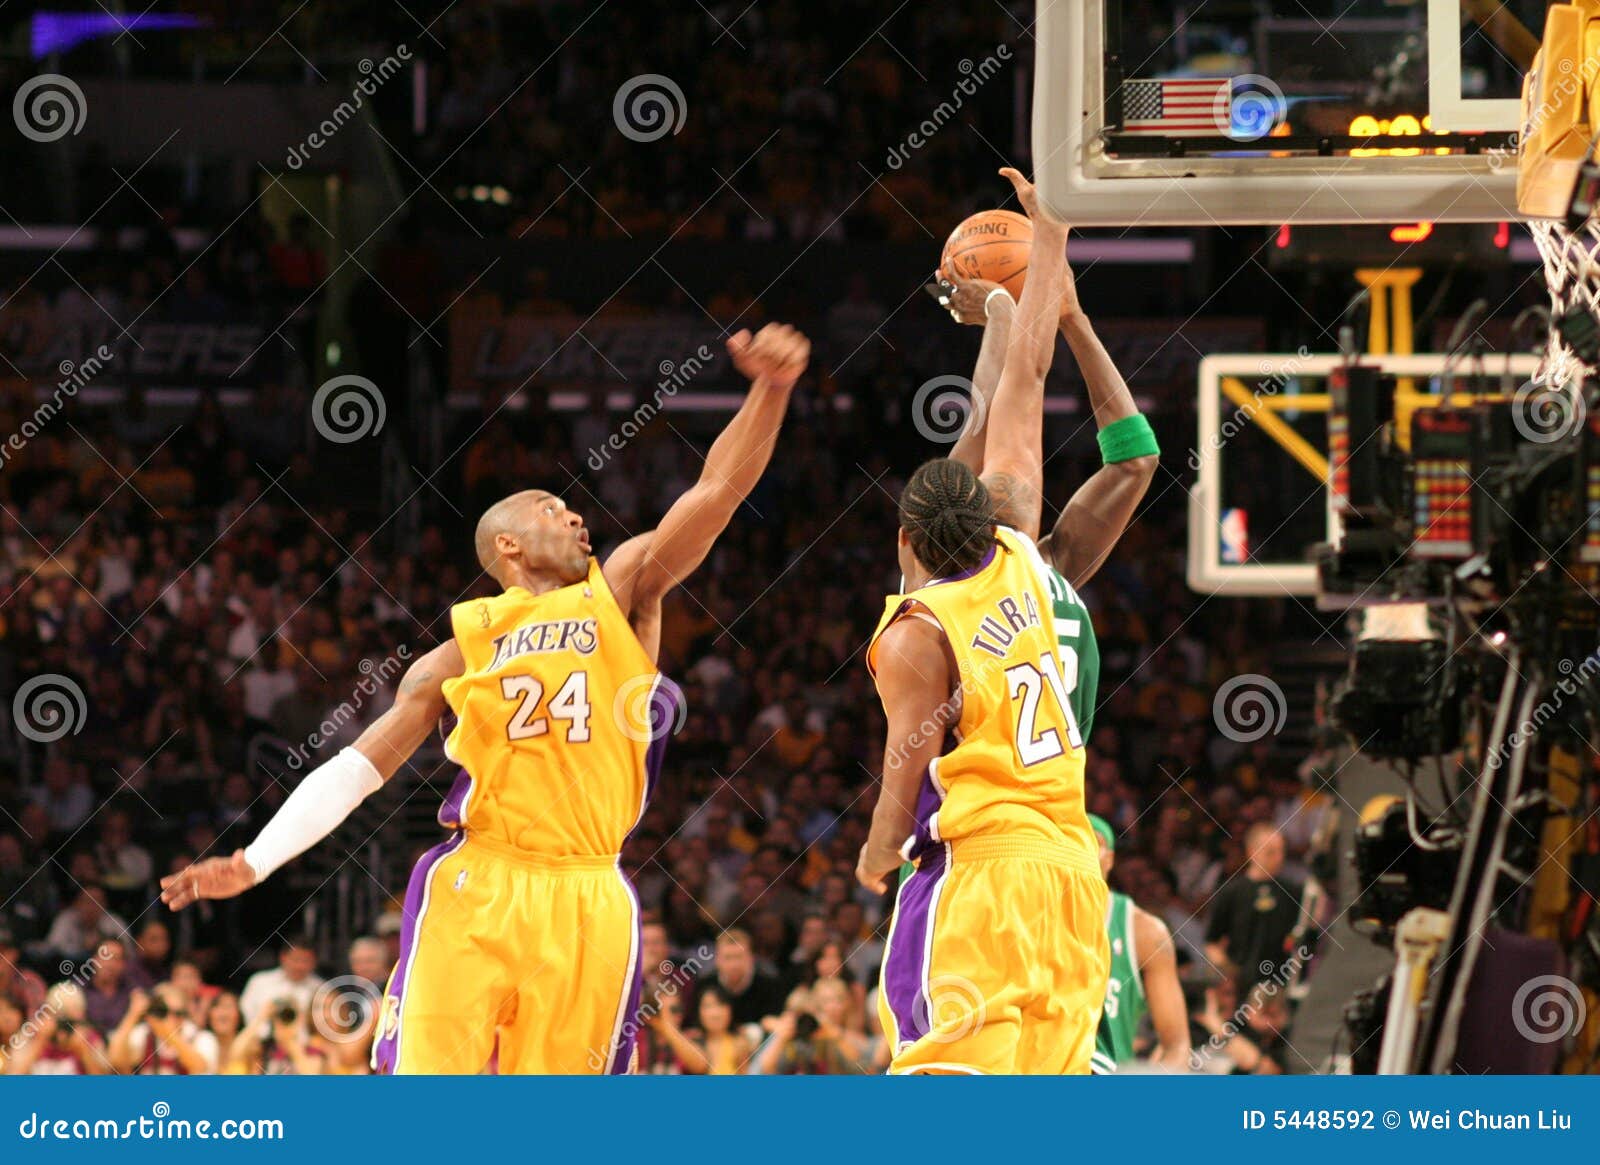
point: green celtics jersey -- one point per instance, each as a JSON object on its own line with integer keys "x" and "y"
{"x": 1080, "y": 653}
{"x": 1125, "y": 1001}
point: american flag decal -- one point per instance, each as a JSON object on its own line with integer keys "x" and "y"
{"x": 1184, "y": 105}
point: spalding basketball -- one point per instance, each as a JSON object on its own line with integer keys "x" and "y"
{"x": 992, "y": 245}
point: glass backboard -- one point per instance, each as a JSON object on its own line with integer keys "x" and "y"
{"x": 1281, "y": 111}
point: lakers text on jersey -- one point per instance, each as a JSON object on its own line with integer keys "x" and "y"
{"x": 521, "y": 933}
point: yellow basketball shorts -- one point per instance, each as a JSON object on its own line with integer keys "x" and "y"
{"x": 529, "y": 961}
{"x": 997, "y": 960}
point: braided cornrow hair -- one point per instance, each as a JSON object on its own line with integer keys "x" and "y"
{"x": 948, "y": 516}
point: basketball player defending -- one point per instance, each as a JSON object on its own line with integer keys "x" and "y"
{"x": 997, "y": 957}
{"x": 522, "y": 926}
{"x": 1144, "y": 979}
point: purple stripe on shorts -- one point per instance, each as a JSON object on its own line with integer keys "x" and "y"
{"x": 628, "y": 1035}
{"x": 386, "y": 1050}
{"x": 904, "y": 968}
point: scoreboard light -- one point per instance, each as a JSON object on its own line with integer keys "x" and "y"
{"x": 1358, "y": 409}
{"x": 1441, "y": 483}
{"x": 1404, "y": 125}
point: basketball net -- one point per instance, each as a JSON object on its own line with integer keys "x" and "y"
{"x": 1572, "y": 274}
{"x": 1551, "y": 145}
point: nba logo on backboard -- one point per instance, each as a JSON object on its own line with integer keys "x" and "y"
{"x": 1234, "y": 531}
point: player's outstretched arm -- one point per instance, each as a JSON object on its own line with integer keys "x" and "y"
{"x": 913, "y": 674}
{"x": 978, "y": 301}
{"x": 644, "y": 568}
{"x": 1163, "y": 991}
{"x": 330, "y": 792}
{"x": 1099, "y": 511}
{"x": 1013, "y": 463}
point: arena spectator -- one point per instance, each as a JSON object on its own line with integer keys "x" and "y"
{"x": 801, "y": 1043}
{"x": 81, "y": 926}
{"x": 111, "y": 985}
{"x": 294, "y": 979}
{"x": 65, "y": 796}
{"x": 125, "y": 864}
{"x": 752, "y": 994}
{"x": 27, "y": 891}
{"x": 1254, "y": 913}
{"x": 275, "y": 1044}
{"x": 22, "y": 986}
{"x": 223, "y": 1020}
{"x": 156, "y": 1038}
{"x": 59, "y": 1040}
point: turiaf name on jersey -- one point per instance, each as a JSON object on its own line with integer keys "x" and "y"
{"x": 1009, "y": 619}
{"x": 580, "y": 635}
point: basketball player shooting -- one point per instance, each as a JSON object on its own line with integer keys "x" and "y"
{"x": 1099, "y": 511}
{"x": 1144, "y": 973}
{"x": 521, "y": 928}
{"x": 997, "y": 957}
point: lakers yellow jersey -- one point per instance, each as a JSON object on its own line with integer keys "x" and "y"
{"x": 561, "y": 720}
{"x": 1017, "y": 766}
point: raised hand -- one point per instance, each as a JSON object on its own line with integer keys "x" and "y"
{"x": 212, "y": 878}
{"x": 1027, "y": 194}
{"x": 777, "y": 354}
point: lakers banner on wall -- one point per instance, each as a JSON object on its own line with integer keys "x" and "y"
{"x": 513, "y": 350}
{"x": 235, "y": 353}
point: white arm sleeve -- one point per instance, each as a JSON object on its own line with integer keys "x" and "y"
{"x": 318, "y": 805}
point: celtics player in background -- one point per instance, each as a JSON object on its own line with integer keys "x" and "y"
{"x": 1144, "y": 978}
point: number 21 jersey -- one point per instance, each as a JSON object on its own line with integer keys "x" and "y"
{"x": 1017, "y": 766}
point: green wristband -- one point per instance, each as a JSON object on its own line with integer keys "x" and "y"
{"x": 1126, "y": 439}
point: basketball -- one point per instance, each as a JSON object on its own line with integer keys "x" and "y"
{"x": 992, "y": 245}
